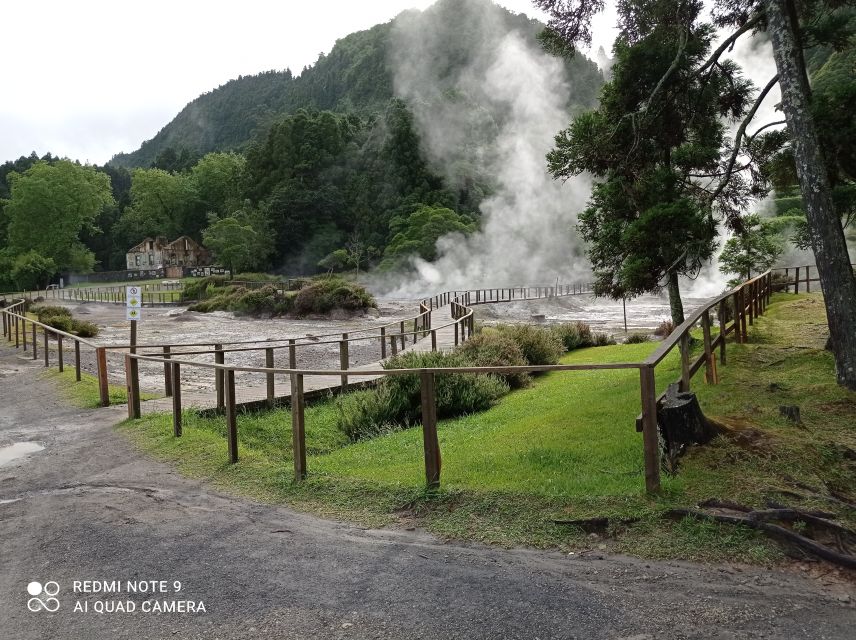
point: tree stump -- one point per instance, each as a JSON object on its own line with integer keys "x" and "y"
{"x": 681, "y": 424}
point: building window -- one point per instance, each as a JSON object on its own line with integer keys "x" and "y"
{"x": 137, "y": 259}
{"x": 151, "y": 258}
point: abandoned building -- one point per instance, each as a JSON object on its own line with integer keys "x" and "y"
{"x": 157, "y": 253}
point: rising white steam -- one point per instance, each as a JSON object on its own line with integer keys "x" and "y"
{"x": 496, "y": 115}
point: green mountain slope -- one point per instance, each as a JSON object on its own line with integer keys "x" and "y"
{"x": 354, "y": 77}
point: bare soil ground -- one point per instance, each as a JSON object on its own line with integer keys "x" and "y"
{"x": 177, "y": 325}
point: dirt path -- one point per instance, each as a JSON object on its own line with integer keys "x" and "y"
{"x": 89, "y": 507}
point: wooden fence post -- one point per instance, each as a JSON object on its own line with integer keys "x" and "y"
{"x": 343, "y": 360}
{"x": 722, "y": 334}
{"x": 101, "y": 368}
{"x": 77, "y": 360}
{"x": 176, "y": 399}
{"x": 433, "y": 339}
{"x": 403, "y": 337}
{"x": 383, "y": 343}
{"x": 269, "y": 364}
{"x": 298, "y": 426}
{"x": 35, "y": 343}
{"x": 650, "y": 437}
{"x": 59, "y": 352}
{"x": 292, "y": 354}
{"x": 24, "y": 331}
{"x": 17, "y": 337}
{"x": 685, "y": 361}
{"x": 132, "y": 387}
{"x": 743, "y": 327}
{"x": 710, "y": 360}
{"x": 47, "y": 350}
{"x": 797, "y": 281}
{"x": 430, "y": 441}
{"x": 219, "y": 390}
{"x": 231, "y": 415}
{"x": 807, "y": 280}
{"x": 394, "y": 344}
{"x": 167, "y": 372}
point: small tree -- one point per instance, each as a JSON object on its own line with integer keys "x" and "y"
{"x": 242, "y": 241}
{"x": 31, "y": 271}
{"x": 756, "y": 249}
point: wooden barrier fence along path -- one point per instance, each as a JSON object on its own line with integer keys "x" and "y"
{"x": 444, "y": 320}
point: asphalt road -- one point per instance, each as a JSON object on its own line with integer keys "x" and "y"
{"x": 90, "y": 508}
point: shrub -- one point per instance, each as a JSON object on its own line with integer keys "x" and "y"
{"x": 252, "y": 276}
{"x": 84, "y": 328}
{"x": 602, "y": 340}
{"x": 637, "y": 338}
{"x": 366, "y": 414}
{"x": 573, "y": 335}
{"x": 396, "y": 402}
{"x": 203, "y": 288}
{"x": 63, "y": 323}
{"x": 256, "y": 301}
{"x": 538, "y": 345}
{"x": 494, "y": 349}
{"x": 325, "y": 294}
{"x": 664, "y": 329}
{"x": 50, "y": 311}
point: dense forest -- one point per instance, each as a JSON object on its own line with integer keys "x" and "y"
{"x": 317, "y": 172}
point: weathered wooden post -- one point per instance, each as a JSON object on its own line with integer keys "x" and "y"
{"x": 175, "y": 378}
{"x": 77, "y": 360}
{"x": 403, "y": 337}
{"x": 269, "y": 364}
{"x": 710, "y": 360}
{"x": 650, "y": 436}
{"x": 47, "y": 350}
{"x": 383, "y": 343}
{"x": 167, "y": 371}
{"x": 292, "y": 354}
{"x": 430, "y": 441}
{"x": 797, "y": 281}
{"x": 219, "y": 358}
{"x": 343, "y": 360}
{"x": 24, "y": 331}
{"x": 17, "y": 329}
{"x": 298, "y": 426}
{"x": 722, "y": 334}
{"x": 101, "y": 370}
{"x": 433, "y": 339}
{"x": 685, "y": 361}
{"x": 743, "y": 326}
{"x": 394, "y": 344}
{"x": 59, "y": 352}
{"x": 35, "y": 342}
{"x": 231, "y": 415}
{"x": 456, "y": 333}
{"x": 132, "y": 386}
{"x": 807, "y": 280}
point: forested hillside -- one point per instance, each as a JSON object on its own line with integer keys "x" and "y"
{"x": 355, "y": 77}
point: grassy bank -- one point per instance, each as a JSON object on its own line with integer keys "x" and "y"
{"x": 85, "y": 394}
{"x": 564, "y": 448}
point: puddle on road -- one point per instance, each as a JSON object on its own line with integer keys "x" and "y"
{"x": 18, "y": 450}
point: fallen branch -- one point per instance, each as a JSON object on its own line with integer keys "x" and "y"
{"x": 821, "y": 551}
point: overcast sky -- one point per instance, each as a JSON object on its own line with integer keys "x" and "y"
{"x": 88, "y": 79}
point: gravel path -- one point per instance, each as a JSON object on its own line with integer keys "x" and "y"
{"x": 89, "y": 507}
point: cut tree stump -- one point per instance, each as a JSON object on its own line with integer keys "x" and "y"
{"x": 681, "y": 424}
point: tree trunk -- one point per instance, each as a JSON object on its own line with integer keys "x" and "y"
{"x": 827, "y": 234}
{"x": 675, "y": 303}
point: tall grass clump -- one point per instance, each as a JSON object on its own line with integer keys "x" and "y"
{"x": 538, "y": 345}
{"x": 495, "y": 349}
{"x": 328, "y": 293}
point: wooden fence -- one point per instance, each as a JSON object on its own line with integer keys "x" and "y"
{"x": 735, "y": 310}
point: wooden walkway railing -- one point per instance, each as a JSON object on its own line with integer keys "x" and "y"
{"x": 745, "y": 302}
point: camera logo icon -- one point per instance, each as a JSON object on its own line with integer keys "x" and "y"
{"x": 49, "y": 590}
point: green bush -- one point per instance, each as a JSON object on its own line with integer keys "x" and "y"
{"x": 494, "y": 349}
{"x": 637, "y": 338}
{"x": 325, "y": 294}
{"x": 84, "y": 328}
{"x": 538, "y": 345}
{"x": 396, "y": 402}
{"x": 202, "y": 288}
{"x": 50, "y": 311}
{"x": 602, "y": 340}
{"x": 574, "y": 335}
{"x": 62, "y": 323}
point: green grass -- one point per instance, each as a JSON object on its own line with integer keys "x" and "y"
{"x": 564, "y": 448}
{"x": 85, "y": 394}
